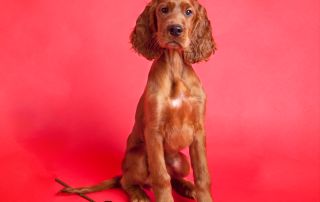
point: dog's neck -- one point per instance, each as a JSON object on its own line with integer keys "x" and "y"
{"x": 174, "y": 62}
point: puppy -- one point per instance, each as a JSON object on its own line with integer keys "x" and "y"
{"x": 170, "y": 115}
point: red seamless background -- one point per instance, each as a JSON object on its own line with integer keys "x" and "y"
{"x": 70, "y": 82}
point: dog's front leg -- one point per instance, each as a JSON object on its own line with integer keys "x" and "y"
{"x": 200, "y": 167}
{"x": 160, "y": 178}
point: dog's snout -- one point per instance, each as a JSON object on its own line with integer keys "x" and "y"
{"x": 175, "y": 30}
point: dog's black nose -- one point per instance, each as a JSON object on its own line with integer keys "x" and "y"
{"x": 175, "y": 30}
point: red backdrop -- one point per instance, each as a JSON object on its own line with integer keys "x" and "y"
{"x": 69, "y": 85}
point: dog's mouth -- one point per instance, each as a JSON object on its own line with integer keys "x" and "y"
{"x": 174, "y": 45}
{"x": 169, "y": 42}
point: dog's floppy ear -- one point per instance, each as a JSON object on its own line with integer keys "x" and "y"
{"x": 202, "y": 44}
{"x": 143, "y": 37}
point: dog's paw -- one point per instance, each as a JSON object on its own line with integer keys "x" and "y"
{"x": 140, "y": 198}
{"x": 204, "y": 197}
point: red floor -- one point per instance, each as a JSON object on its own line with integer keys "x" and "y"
{"x": 69, "y": 85}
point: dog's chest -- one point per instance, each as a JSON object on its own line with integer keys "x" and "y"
{"x": 179, "y": 118}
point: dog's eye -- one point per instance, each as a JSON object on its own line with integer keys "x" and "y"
{"x": 164, "y": 10}
{"x": 188, "y": 12}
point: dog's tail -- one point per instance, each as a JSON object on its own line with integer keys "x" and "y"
{"x": 107, "y": 184}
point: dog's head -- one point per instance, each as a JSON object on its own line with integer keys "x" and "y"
{"x": 174, "y": 24}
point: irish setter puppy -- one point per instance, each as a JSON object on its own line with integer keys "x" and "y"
{"x": 170, "y": 113}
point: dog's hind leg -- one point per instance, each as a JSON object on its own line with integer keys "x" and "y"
{"x": 178, "y": 167}
{"x": 184, "y": 187}
{"x": 134, "y": 191}
{"x": 135, "y": 173}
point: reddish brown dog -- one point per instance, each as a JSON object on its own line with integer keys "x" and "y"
{"x": 170, "y": 113}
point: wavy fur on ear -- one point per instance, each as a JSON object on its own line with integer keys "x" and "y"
{"x": 202, "y": 44}
{"x": 143, "y": 37}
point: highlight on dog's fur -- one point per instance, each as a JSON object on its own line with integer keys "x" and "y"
{"x": 170, "y": 113}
